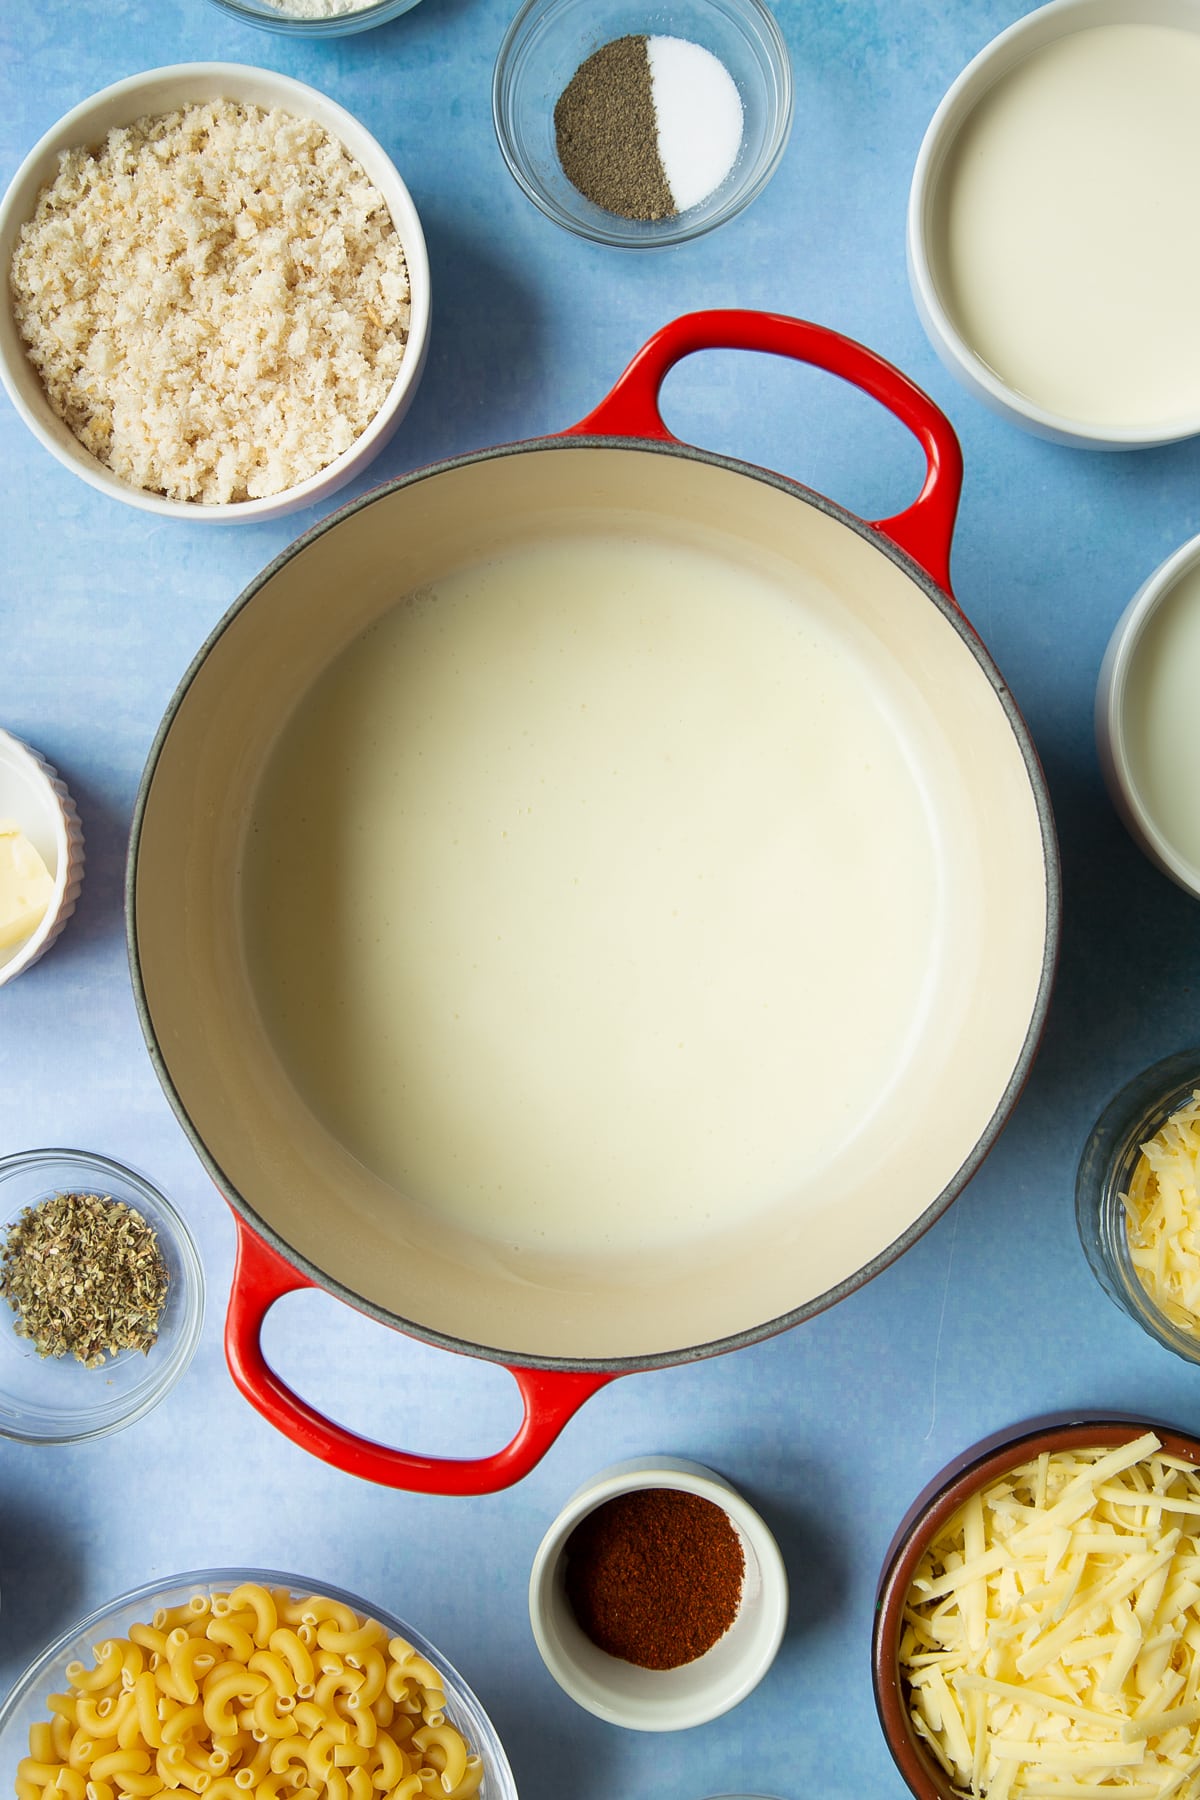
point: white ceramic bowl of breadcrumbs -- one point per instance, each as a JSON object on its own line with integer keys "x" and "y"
{"x": 135, "y": 1277}
{"x": 217, "y": 293}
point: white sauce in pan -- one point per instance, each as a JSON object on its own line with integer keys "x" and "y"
{"x": 1071, "y": 255}
{"x": 592, "y": 898}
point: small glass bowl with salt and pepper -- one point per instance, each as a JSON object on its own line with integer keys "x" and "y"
{"x": 79, "y": 1367}
{"x": 640, "y": 130}
{"x": 658, "y": 1597}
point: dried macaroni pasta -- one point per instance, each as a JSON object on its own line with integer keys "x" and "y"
{"x": 250, "y": 1695}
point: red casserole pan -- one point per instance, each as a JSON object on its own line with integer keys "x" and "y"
{"x": 913, "y": 1094}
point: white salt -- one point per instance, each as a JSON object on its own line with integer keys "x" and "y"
{"x": 699, "y": 115}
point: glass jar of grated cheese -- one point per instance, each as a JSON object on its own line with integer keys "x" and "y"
{"x": 1137, "y": 1201}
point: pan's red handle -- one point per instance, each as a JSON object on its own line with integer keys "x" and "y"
{"x": 924, "y": 530}
{"x": 550, "y": 1396}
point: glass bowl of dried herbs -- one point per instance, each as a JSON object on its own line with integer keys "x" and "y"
{"x": 640, "y": 126}
{"x": 101, "y": 1296}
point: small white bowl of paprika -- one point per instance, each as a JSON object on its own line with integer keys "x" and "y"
{"x": 658, "y": 1597}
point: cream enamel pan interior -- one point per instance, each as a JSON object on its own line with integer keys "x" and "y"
{"x": 912, "y": 1145}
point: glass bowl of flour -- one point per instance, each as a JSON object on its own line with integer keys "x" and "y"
{"x": 641, "y": 126}
{"x": 315, "y": 18}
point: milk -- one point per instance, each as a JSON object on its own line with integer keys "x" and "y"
{"x": 1162, "y": 717}
{"x": 1071, "y": 252}
{"x": 591, "y": 897}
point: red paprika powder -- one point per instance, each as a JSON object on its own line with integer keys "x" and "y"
{"x": 655, "y": 1576}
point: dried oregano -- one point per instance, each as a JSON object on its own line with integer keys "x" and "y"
{"x": 84, "y": 1275}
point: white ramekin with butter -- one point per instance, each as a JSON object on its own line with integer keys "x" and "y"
{"x": 41, "y": 856}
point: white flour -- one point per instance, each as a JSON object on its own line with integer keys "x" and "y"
{"x": 318, "y": 9}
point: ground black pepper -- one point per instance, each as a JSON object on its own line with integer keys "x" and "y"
{"x": 606, "y": 132}
{"x": 655, "y": 1576}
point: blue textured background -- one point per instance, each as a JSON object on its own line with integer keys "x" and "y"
{"x": 993, "y": 1316}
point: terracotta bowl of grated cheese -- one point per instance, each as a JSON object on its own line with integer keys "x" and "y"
{"x": 1037, "y": 1628}
{"x": 217, "y": 293}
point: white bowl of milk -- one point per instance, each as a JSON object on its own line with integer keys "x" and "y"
{"x": 1147, "y": 720}
{"x": 1047, "y": 250}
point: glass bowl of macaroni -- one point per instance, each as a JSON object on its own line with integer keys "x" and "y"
{"x": 242, "y": 1670}
{"x": 56, "y": 1399}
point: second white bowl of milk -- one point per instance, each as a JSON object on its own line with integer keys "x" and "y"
{"x": 1046, "y": 250}
{"x": 1147, "y": 721}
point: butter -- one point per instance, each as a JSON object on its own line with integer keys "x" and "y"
{"x": 26, "y": 885}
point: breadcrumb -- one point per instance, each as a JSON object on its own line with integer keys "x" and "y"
{"x": 216, "y": 300}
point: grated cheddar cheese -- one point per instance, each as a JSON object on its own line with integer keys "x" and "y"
{"x": 1162, "y": 1217}
{"x": 1051, "y": 1638}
